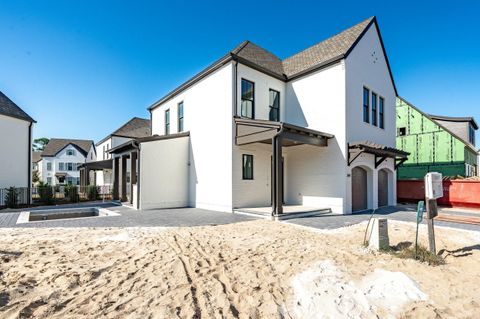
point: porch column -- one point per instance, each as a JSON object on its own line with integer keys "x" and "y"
{"x": 277, "y": 178}
{"x": 123, "y": 178}
{"x": 133, "y": 173}
{"x": 116, "y": 178}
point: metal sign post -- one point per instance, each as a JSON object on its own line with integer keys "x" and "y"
{"x": 420, "y": 210}
{"x": 433, "y": 190}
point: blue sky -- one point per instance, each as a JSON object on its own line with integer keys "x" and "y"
{"x": 83, "y": 68}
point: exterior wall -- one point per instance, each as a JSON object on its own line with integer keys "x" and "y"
{"x": 422, "y": 140}
{"x": 458, "y": 128}
{"x": 208, "y": 112}
{"x": 164, "y": 173}
{"x": 367, "y": 67}
{"x": 14, "y": 143}
{"x": 317, "y": 176}
{"x": 61, "y": 157}
{"x": 263, "y": 84}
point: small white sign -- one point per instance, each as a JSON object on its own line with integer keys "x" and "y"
{"x": 433, "y": 185}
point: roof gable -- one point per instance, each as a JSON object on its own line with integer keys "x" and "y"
{"x": 55, "y": 145}
{"x": 9, "y": 108}
{"x": 134, "y": 128}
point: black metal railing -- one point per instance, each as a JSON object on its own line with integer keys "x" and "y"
{"x": 17, "y": 197}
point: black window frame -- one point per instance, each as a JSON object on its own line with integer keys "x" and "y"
{"x": 273, "y": 108}
{"x": 245, "y": 175}
{"x": 366, "y": 107}
{"x": 381, "y": 112}
{"x": 167, "y": 123}
{"x": 180, "y": 126}
{"x": 247, "y": 100}
{"x": 402, "y": 131}
{"x": 374, "y": 109}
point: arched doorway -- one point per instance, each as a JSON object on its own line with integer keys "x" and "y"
{"x": 382, "y": 188}
{"x": 359, "y": 189}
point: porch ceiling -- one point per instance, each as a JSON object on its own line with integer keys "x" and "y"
{"x": 97, "y": 166}
{"x": 250, "y": 131}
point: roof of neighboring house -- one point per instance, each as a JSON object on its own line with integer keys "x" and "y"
{"x": 36, "y": 156}
{"x": 134, "y": 128}
{"x": 9, "y": 108}
{"x": 455, "y": 119}
{"x": 55, "y": 145}
{"x": 311, "y": 59}
{"x": 470, "y": 146}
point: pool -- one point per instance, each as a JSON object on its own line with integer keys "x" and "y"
{"x": 67, "y": 213}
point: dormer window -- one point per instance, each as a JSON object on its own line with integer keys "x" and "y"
{"x": 70, "y": 152}
{"x": 471, "y": 134}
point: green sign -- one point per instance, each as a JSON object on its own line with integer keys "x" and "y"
{"x": 420, "y": 210}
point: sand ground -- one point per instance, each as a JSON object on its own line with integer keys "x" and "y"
{"x": 256, "y": 269}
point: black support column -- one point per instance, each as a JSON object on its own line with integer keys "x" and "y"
{"x": 277, "y": 176}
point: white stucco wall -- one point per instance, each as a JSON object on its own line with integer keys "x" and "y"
{"x": 208, "y": 115}
{"x": 262, "y": 84}
{"x": 14, "y": 143}
{"x": 316, "y": 176}
{"x": 164, "y": 173}
{"x": 366, "y": 66}
{"x": 363, "y": 69}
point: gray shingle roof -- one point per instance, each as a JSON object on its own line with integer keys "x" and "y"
{"x": 55, "y": 145}
{"x": 312, "y": 58}
{"x": 134, "y": 128}
{"x": 328, "y": 50}
{"x": 8, "y": 108}
{"x": 455, "y": 119}
{"x": 36, "y": 156}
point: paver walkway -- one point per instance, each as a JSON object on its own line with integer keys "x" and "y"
{"x": 199, "y": 217}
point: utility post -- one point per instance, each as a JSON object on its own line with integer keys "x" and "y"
{"x": 433, "y": 190}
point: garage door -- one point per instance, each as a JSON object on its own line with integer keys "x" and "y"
{"x": 359, "y": 189}
{"x": 382, "y": 188}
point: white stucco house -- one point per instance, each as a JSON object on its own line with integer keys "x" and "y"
{"x": 99, "y": 171}
{"x": 315, "y": 130}
{"x": 61, "y": 159}
{"x": 15, "y": 144}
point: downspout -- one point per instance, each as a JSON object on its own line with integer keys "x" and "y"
{"x": 234, "y": 113}
{"x": 138, "y": 175}
{"x": 275, "y": 169}
{"x": 29, "y": 179}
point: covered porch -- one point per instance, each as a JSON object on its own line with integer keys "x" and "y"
{"x": 125, "y": 172}
{"x": 86, "y": 170}
{"x": 279, "y": 136}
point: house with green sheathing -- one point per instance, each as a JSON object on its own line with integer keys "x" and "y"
{"x": 435, "y": 143}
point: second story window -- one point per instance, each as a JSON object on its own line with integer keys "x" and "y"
{"x": 69, "y": 166}
{"x": 366, "y": 105}
{"x": 374, "y": 109}
{"x": 471, "y": 134}
{"x": 180, "y": 117}
{"x": 274, "y": 114}
{"x": 167, "y": 122}
{"x": 61, "y": 166}
{"x": 381, "y": 112}
{"x": 248, "y": 99}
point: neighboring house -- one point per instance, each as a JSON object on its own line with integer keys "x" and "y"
{"x": 435, "y": 143}
{"x": 15, "y": 145}
{"x": 100, "y": 170}
{"x": 61, "y": 159}
{"x": 251, "y": 130}
{"x": 36, "y": 163}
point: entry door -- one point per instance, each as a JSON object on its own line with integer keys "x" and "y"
{"x": 382, "y": 188}
{"x": 359, "y": 189}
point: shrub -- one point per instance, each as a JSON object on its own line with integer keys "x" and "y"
{"x": 92, "y": 192}
{"x": 422, "y": 254}
{"x": 71, "y": 192}
{"x": 45, "y": 192}
{"x": 11, "y": 198}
